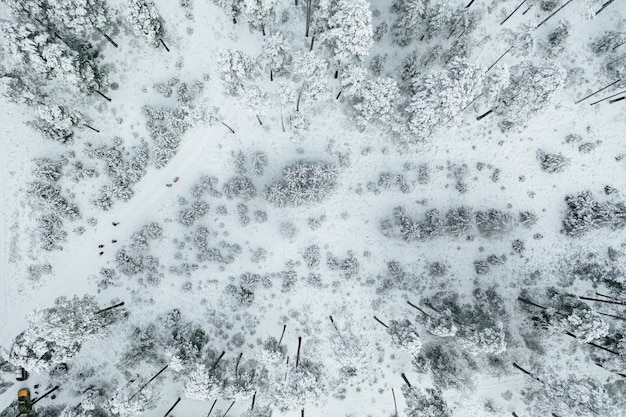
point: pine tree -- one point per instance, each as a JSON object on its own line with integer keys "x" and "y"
{"x": 314, "y": 70}
{"x": 202, "y": 384}
{"x": 260, "y": 13}
{"x": 350, "y": 31}
{"x": 532, "y": 86}
{"x": 57, "y": 122}
{"x": 145, "y": 20}
{"x": 353, "y": 80}
{"x": 34, "y": 48}
{"x": 378, "y": 100}
{"x": 235, "y": 69}
{"x": 410, "y": 18}
{"x": 404, "y": 336}
{"x": 278, "y": 54}
{"x": 232, "y": 8}
{"x": 439, "y": 96}
{"x": 56, "y": 334}
{"x": 79, "y": 16}
{"x": 427, "y": 403}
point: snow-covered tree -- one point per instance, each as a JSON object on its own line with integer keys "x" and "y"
{"x": 121, "y": 405}
{"x": 296, "y": 388}
{"x": 440, "y": 95}
{"x": 314, "y": 71}
{"x": 532, "y": 86}
{"x": 260, "y": 13}
{"x": 54, "y": 335}
{"x": 258, "y": 411}
{"x": 568, "y": 396}
{"x": 16, "y": 89}
{"x": 57, "y": 122}
{"x": 427, "y": 403}
{"x": 585, "y": 213}
{"x": 409, "y": 21}
{"x": 487, "y": 339}
{"x": 145, "y": 20}
{"x": 232, "y": 8}
{"x": 404, "y": 336}
{"x": 35, "y": 48}
{"x": 438, "y": 15}
{"x": 585, "y": 324}
{"x": 277, "y": 53}
{"x": 522, "y": 40}
{"x": 303, "y": 182}
{"x": 201, "y": 384}
{"x": 350, "y": 31}
{"x": 495, "y": 81}
{"x": 79, "y": 16}
{"x": 442, "y": 325}
{"x": 378, "y": 100}
{"x": 235, "y": 68}
{"x": 352, "y": 80}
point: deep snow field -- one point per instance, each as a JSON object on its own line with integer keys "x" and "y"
{"x": 224, "y": 265}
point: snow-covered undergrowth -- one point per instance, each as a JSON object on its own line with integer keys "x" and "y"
{"x": 328, "y": 207}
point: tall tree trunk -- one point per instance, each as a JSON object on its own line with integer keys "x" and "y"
{"x": 553, "y": 13}
{"x": 298, "y": 355}
{"x": 172, "y": 407}
{"x": 513, "y": 12}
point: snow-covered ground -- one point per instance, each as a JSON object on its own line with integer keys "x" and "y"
{"x": 341, "y": 257}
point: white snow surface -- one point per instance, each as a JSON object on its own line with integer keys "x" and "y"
{"x": 351, "y": 215}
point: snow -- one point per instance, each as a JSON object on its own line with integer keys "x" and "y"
{"x": 319, "y": 250}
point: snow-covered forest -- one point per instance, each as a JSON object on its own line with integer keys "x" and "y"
{"x": 312, "y": 208}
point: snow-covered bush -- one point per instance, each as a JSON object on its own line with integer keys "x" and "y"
{"x": 552, "y": 162}
{"x": 349, "y": 266}
{"x": 145, "y": 20}
{"x": 47, "y": 196}
{"x": 259, "y": 161}
{"x": 303, "y": 182}
{"x": 459, "y": 221}
{"x": 205, "y": 183}
{"x": 197, "y": 210}
{"x": 239, "y": 187}
{"x": 585, "y": 213}
{"x": 494, "y": 222}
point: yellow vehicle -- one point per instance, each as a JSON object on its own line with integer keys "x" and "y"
{"x": 23, "y": 401}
